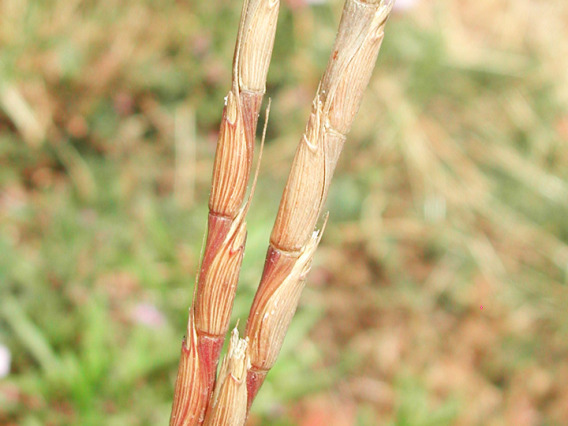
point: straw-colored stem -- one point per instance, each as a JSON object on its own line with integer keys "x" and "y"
{"x": 228, "y": 406}
{"x": 292, "y": 244}
{"x": 218, "y": 276}
{"x": 191, "y": 395}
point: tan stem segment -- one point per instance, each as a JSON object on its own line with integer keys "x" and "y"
{"x": 218, "y": 276}
{"x": 229, "y": 403}
{"x": 189, "y": 405}
{"x": 292, "y": 243}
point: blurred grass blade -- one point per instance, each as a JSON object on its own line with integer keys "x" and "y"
{"x": 30, "y": 335}
{"x": 22, "y": 115}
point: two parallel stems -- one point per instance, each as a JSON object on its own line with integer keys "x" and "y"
{"x": 293, "y": 240}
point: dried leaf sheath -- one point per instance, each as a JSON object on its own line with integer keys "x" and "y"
{"x": 291, "y": 248}
{"x": 333, "y": 110}
{"x": 274, "y": 307}
{"x": 189, "y": 408}
{"x": 218, "y": 281}
{"x": 218, "y": 276}
{"x": 230, "y": 398}
{"x": 233, "y": 160}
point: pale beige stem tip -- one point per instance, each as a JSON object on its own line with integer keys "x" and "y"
{"x": 339, "y": 95}
{"x": 229, "y": 405}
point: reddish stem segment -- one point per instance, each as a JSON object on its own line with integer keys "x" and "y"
{"x": 255, "y": 379}
{"x": 191, "y": 395}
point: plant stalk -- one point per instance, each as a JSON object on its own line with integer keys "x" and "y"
{"x": 217, "y": 279}
{"x": 293, "y": 240}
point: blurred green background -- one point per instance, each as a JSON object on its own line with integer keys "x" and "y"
{"x": 439, "y": 294}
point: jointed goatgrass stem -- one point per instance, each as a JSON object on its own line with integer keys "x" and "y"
{"x": 219, "y": 272}
{"x": 293, "y": 241}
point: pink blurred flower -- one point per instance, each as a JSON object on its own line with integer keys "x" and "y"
{"x": 404, "y": 5}
{"x": 149, "y": 315}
